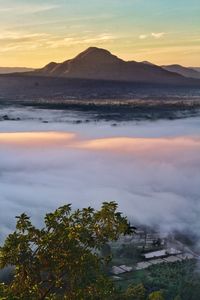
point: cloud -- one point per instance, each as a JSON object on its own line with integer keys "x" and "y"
{"x": 39, "y": 173}
{"x": 91, "y": 39}
{"x": 21, "y": 40}
{"x": 99, "y": 38}
{"x": 28, "y": 8}
{"x": 10, "y": 36}
{"x": 143, "y": 36}
{"x": 157, "y": 35}
{"x": 24, "y": 40}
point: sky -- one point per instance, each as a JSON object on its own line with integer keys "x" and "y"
{"x": 35, "y": 32}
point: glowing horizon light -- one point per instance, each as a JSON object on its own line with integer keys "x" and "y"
{"x": 33, "y": 33}
{"x": 137, "y": 143}
{"x": 121, "y": 145}
{"x": 35, "y": 138}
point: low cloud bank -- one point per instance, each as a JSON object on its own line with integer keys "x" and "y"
{"x": 154, "y": 175}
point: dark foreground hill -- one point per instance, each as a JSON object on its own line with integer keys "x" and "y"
{"x": 46, "y": 89}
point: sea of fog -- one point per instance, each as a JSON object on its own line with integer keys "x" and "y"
{"x": 152, "y": 169}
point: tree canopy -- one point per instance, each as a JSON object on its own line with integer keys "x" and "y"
{"x": 62, "y": 260}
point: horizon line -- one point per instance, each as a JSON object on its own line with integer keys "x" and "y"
{"x": 100, "y": 48}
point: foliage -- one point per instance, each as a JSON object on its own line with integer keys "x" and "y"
{"x": 175, "y": 279}
{"x": 106, "y": 251}
{"x": 129, "y": 251}
{"x": 180, "y": 280}
{"x": 178, "y": 297}
{"x": 136, "y": 292}
{"x": 61, "y": 260}
{"x": 158, "y": 295}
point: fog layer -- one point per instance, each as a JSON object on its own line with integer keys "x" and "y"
{"x": 150, "y": 169}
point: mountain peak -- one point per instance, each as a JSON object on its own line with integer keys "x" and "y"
{"x": 146, "y": 62}
{"x": 95, "y": 49}
{"x": 91, "y": 50}
{"x": 96, "y": 54}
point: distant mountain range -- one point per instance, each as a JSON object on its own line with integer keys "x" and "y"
{"x": 99, "y": 64}
{"x": 195, "y": 68}
{"x": 188, "y": 72}
{"x": 7, "y": 70}
{"x": 184, "y": 71}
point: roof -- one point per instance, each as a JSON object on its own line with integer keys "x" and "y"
{"x": 172, "y": 259}
{"x": 142, "y": 265}
{"x": 173, "y": 251}
{"x": 121, "y": 269}
{"x": 159, "y": 253}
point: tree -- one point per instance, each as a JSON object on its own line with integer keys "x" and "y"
{"x": 129, "y": 251}
{"x": 158, "y": 295}
{"x": 61, "y": 260}
{"x": 136, "y": 292}
{"x": 178, "y": 297}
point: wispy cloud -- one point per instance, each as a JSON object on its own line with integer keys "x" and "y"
{"x": 87, "y": 40}
{"x": 155, "y": 35}
{"x": 100, "y": 38}
{"x": 22, "y": 40}
{"x": 27, "y": 8}
{"x": 158, "y": 35}
{"x": 143, "y": 36}
{"x": 8, "y": 35}
{"x": 14, "y": 40}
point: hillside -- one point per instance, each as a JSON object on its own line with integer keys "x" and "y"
{"x": 195, "y": 68}
{"x": 99, "y": 64}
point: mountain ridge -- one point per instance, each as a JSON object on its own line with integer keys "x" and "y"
{"x": 100, "y": 64}
{"x": 184, "y": 71}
